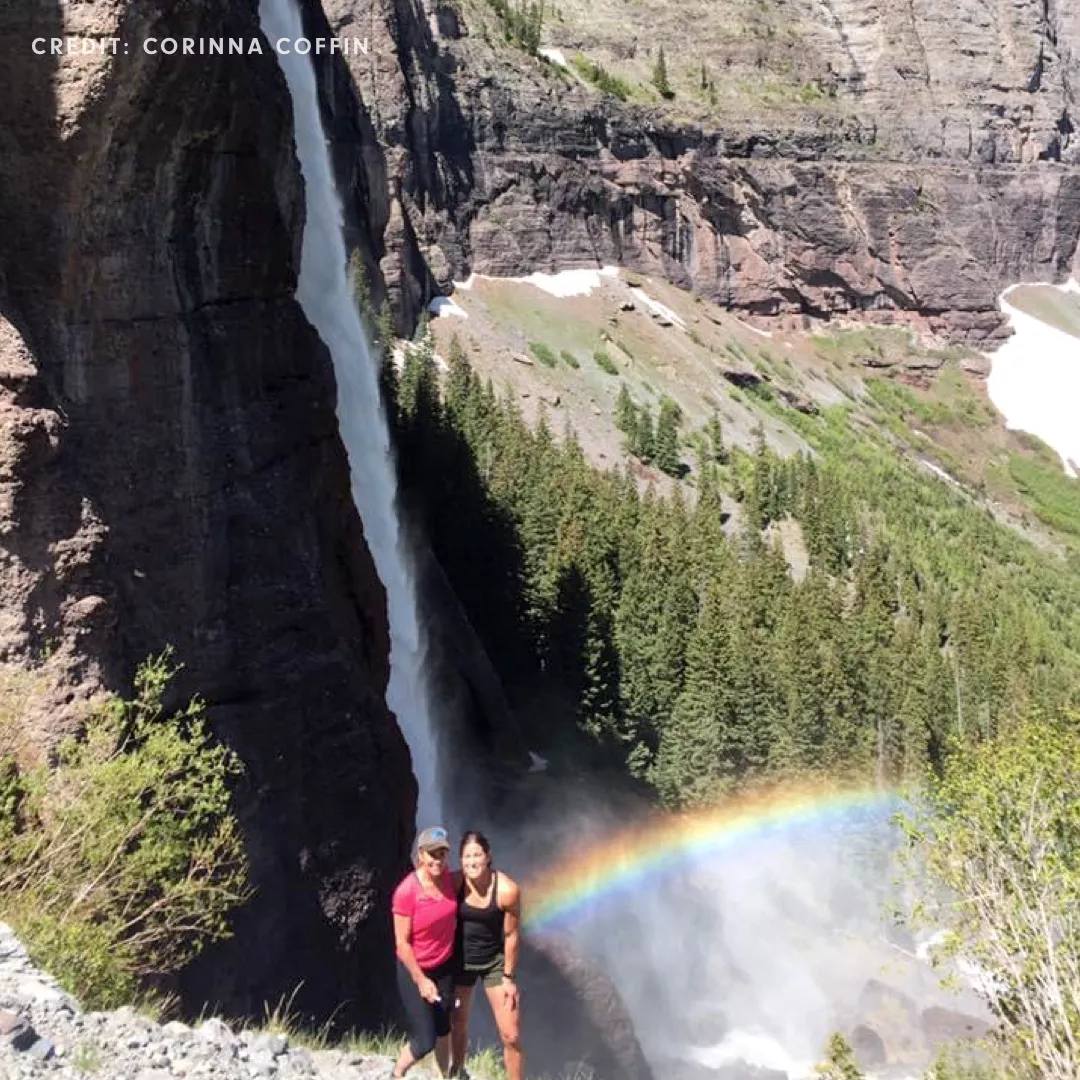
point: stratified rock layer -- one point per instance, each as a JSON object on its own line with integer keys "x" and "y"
{"x": 945, "y": 167}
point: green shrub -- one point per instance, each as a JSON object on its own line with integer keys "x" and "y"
{"x": 569, "y": 358}
{"x": 660, "y": 76}
{"x": 601, "y": 78}
{"x": 521, "y": 22}
{"x": 543, "y": 353}
{"x": 1000, "y": 827}
{"x": 958, "y": 1063}
{"x": 1054, "y": 497}
{"x": 839, "y": 1063}
{"x": 605, "y": 363}
{"x": 124, "y": 860}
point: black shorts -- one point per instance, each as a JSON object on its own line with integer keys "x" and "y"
{"x": 426, "y": 1021}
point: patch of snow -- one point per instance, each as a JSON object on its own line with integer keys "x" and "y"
{"x": 656, "y": 306}
{"x": 754, "y": 329}
{"x": 555, "y": 56}
{"x": 1035, "y": 381}
{"x": 443, "y": 305}
{"x": 565, "y": 283}
{"x": 938, "y": 471}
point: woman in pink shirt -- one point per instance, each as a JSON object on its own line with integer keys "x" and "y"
{"x": 425, "y": 918}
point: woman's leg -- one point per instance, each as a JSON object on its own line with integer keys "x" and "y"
{"x": 508, "y": 1021}
{"x": 419, "y": 1021}
{"x": 459, "y": 1030}
{"x": 442, "y": 1016}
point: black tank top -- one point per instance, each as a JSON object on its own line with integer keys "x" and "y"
{"x": 481, "y": 928}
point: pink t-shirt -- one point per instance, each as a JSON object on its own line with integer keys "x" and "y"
{"x": 433, "y": 920}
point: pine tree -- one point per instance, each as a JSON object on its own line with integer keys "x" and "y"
{"x": 388, "y": 373}
{"x": 660, "y": 76}
{"x": 667, "y": 438}
{"x": 699, "y": 755}
{"x": 625, "y": 411}
{"x": 458, "y": 381}
{"x": 878, "y": 664}
{"x": 715, "y": 434}
{"x": 656, "y": 610}
{"x": 419, "y": 388}
{"x": 795, "y": 743}
{"x": 361, "y": 291}
{"x": 642, "y": 439}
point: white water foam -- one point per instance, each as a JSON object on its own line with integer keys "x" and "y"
{"x": 1035, "y": 381}
{"x": 556, "y": 56}
{"x": 442, "y": 306}
{"x": 324, "y": 294}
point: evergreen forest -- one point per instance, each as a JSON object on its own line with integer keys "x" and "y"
{"x": 639, "y": 631}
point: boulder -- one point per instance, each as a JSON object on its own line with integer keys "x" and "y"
{"x": 869, "y": 1047}
{"x": 575, "y": 1021}
{"x": 941, "y": 1026}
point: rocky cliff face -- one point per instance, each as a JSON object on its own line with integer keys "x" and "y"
{"x": 171, "y": 473}
{"x": 941, "y": 165}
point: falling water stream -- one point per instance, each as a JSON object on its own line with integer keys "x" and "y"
{"x": 325, "y": 295}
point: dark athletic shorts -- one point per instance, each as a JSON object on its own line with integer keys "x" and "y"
{"x": 426, "y": 1022}
{"x": 490, "y": 976}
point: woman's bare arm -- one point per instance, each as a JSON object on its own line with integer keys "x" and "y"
{"x": 403, "y": 946}
{"x": 510, "y": 901}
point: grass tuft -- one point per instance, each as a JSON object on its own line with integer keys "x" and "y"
{"x": 605, "y": 363}
{"x": 543, "y": 353}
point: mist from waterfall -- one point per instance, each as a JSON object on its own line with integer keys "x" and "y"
{"x": 325, "y": 295}
{"x": 745, "y": 956}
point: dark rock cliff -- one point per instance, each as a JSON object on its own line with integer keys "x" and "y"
{"x": 171, "y": 472}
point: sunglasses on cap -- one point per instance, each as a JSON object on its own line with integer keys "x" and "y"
{"x": 433, "y": 838}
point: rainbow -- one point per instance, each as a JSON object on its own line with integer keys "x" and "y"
{"x": 632, "y": 856}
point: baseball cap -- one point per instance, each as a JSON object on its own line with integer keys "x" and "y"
{"x": 433, "y": 838}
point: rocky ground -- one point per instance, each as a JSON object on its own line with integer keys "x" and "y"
{"x": 44, "y": 1033}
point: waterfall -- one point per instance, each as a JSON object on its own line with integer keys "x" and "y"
{"x": 325, "y": 295}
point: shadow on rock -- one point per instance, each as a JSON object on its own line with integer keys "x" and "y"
{"x": 575, "y": 1022}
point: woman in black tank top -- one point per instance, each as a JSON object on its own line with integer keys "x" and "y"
{"x": 481, "y": 929}
{"x": 489, "y": 916}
